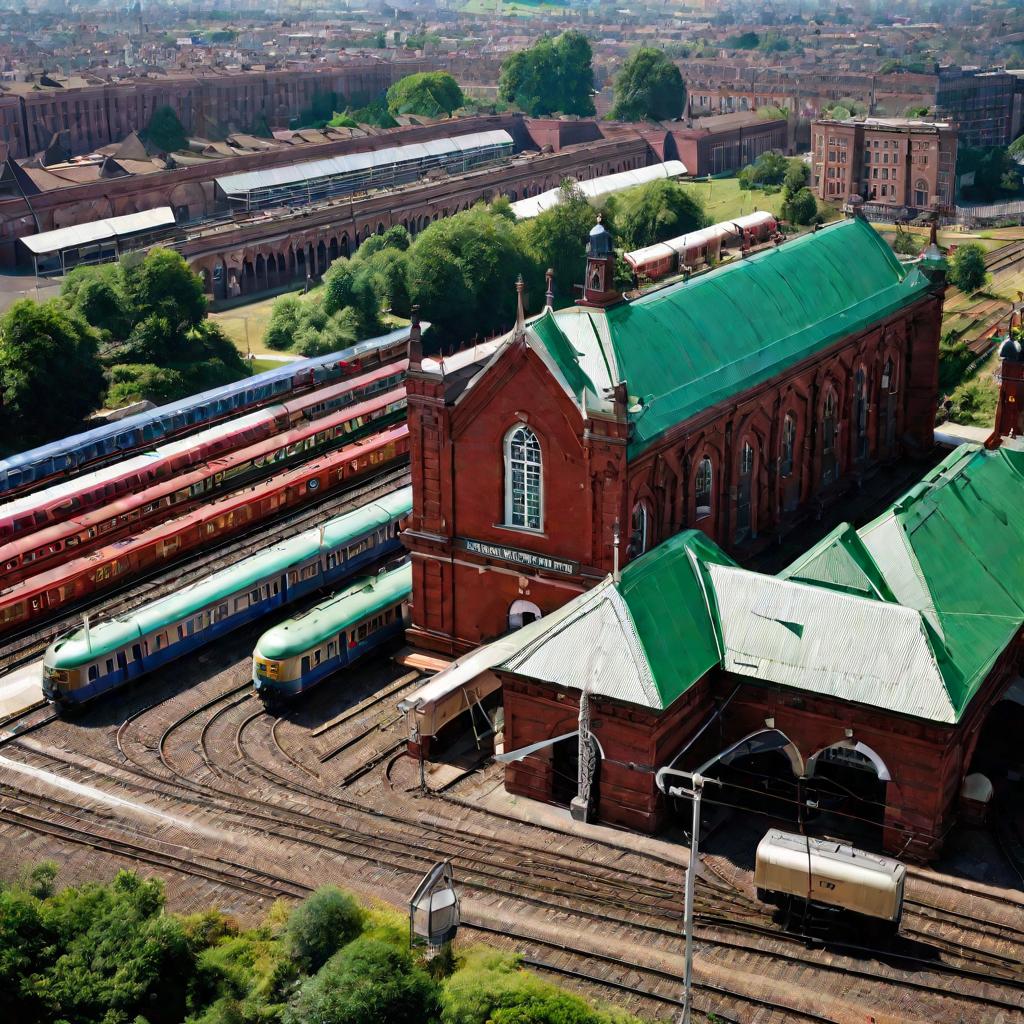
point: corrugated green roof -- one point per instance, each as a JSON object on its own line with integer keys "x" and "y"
{"x": 328, "y": 618}
{"x": 952, "y": 548}
{"x": 682, "y": 348}
{"x": 72, "y": 651}
{"x": 908, "y": 614}
{"x": 673, "y": 610}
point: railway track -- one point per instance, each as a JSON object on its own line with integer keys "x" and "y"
{"x": 26, "y": 646}
{"x": 230, "y": 760}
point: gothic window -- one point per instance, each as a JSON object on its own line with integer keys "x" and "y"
{"x": 921, "y": 193}
{"x": 702, "y": 488}
{"x": 641, "y": 527}
{"x": 788, "y": 443}
{"x": 829, "y": 466}
{"x": 743, "y": 492}
{"x": 889, "y": 398}
{"x": 861, "y": 414}
{"x": 523, "y": 479}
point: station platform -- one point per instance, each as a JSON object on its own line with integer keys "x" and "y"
{"x": 21, "y": 688}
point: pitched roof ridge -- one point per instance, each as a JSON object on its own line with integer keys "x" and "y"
{"x": 637, "y": 651}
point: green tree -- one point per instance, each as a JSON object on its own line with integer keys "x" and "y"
{"x": 429, "y": 93}
{"x": 283, "y": 323}
{"x": 50, "y": 375}
{"x": 367, "y": 982}
{"x": 797, "y": 175}
{"x": 461, "y": 271}
{"x": 557, "y": 238}
{"x": 1016, "y": 148}
{"x": 906, "y": 243}
{"x": 321, "y": 925}
{"x": 118, "y": 956}
{"x": 967, "y": 268}
{"x": 839, "y": 113}
{"x": 552, "y": 75}
{"x": 163, "y": 285}
{"x": 345, "y": 286}
{"x": 769, "y": 168}
{"x": 649, "y": 87}
{"x": 801, "y": 207}
{"x": 656, "y": 211}
{"x": 744, "y": 41}
{"x": 165, "y": 131}
{"x": 133, "y": 382}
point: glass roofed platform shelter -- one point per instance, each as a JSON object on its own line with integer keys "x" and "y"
{"x": 880, "y": 652}
{"x": 314, "y": 181}
{"x": 56, "y": 252}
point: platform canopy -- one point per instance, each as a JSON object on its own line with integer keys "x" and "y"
{"x": 108, "y": 230}
{"x": 595, "y": 188}
{"x": 908, "y": 614}
{"x": 310, "y": 180}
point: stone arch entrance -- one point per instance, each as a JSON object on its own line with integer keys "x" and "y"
{"x": 848, "y": 783}
{"x": 759, "y": 773}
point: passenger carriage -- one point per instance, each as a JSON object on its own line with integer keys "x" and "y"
{"x": 29, "y": 469}
{"x": 295, "y": 655}
{"x": 92, "y": 661}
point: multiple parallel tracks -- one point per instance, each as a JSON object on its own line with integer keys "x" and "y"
{"x": 273, "y": 805}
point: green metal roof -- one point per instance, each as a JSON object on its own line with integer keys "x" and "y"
{"x": 323, "y": 621}
{"x": 952, "y": 548}
{"x": 72, "y": 651}
{"x": 682, "y": 348}
{"x": 908, "y": 614}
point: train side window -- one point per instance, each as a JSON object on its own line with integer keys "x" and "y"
{"x": 293, "y": 577}
{"x": 316, "y": 656}
{"x": 305, "y": 665}
{"x": 222, "y": 612}
{"x": 158, "y": 641}
{"x": 331, "y": 647}
{"x": 241, "y": 603}
{"x": 137, "y": 652}
{"x": 94, "y": 673}
{"x": 110, "y": 665}
{"x": 310, "y": 571}
{"x": 254, "y": 596}
{"x": 181, "y": 632}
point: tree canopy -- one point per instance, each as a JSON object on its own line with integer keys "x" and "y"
{"x": 165, "y": 131}
{"x": 649, "y": 87}
{"x": 967, "y": 267}
{"x": 656, "y": 211}
{"x": 555, "y": 74}
{"x": 429, "y": 93}
{"x": 50, "y": 374}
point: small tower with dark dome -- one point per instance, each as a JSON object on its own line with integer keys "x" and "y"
{"x": 599, "y": 284}
{"x": 1011, "y": 379}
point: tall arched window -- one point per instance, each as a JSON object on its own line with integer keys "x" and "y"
{"x": 889, "y": 396}
{"x": 743, "y": 492}
{"x": 641, "y": 527}
{"x": 861, "y": 412}
{"x": 702, "y": 488}
{"x": 829, "y": 467}
{"x": 788, "y": 444}
{"x": 921, "y": 193}
{"x": 524, "y": 499}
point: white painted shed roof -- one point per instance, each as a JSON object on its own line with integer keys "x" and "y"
{"x": 99, "y": 230}
{"x": 594, "y": 188}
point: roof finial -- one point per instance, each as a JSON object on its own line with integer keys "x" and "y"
{"x": 549, "y": 295}
{"x": 520, "y": 315}
{"x": 415, "y": 343}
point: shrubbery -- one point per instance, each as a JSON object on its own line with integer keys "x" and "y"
{"x": 112, "y": 954}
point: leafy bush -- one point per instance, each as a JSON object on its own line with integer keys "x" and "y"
{"x": 967, "y": 268}
{"x": 656, "y": 211}
{"x": 321, "y": 925}
{"x": 367, "y": 982}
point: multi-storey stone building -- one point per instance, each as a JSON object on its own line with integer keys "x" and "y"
{"x": 894, "y": 162}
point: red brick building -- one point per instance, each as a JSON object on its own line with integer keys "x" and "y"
{"x": 868, "y": 669}
{"x": 732, "y": 403}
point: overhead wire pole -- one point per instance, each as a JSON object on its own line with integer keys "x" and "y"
{"x": 694, "y": 793}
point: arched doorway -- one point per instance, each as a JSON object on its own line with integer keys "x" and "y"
{"x": 759, "y": 773}
{"x": 848, "y": 782}
{"x": 522, "y": 613}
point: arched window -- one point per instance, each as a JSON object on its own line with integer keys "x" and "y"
{"x": 889, "y": 397}
{"x": 829, "y": 466}
{"x": 921, "y": 193}
{"x": 860, "y": 380}
{"x": 641, "y": 527}
{"x": 702, "y": 488}
{"x": 788, "y": 444}
{"x": 743, "y": 492}
{"x": 523, "y": 479}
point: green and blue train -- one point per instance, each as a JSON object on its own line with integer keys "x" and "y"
{"x": 93, "y": 660}
{"x": 297, "y": 654}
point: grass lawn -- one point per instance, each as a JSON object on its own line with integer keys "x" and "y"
{"x": 723, "y": 199}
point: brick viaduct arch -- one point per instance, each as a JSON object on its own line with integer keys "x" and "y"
{"x": 282, "y": 254}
